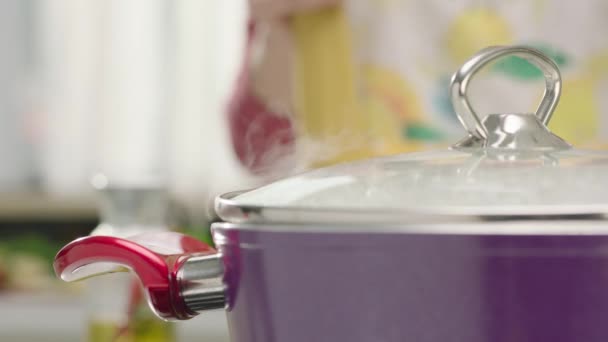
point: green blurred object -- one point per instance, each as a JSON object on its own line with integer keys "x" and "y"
{"x": 148, "y": 330}
{"x": 30, "y": 244}
{"x": 421, "y": 132}
{"x": 520, "y": 68}
{"x": 202, "y": 233}
{"x": 442, "y": 103}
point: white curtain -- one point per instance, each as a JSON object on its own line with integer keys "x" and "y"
{"x": 136, "y": 89}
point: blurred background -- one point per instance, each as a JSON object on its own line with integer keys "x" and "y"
{"x": 132, "y": 91}
{"x": 119, "y": 117}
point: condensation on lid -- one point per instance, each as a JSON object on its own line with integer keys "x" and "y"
{"x": 470, "y": 182}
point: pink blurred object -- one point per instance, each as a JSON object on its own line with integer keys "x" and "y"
{"x": 260, "y": 137}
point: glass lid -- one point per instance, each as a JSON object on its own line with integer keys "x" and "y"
{"x": 510, "y": 166}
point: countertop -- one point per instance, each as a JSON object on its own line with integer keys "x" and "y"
{"x": 60, "y": 318}
{"x": 38, "y": 205}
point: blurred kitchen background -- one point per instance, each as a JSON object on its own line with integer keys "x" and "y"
{"x": 133, "y": 91}
{"x": 124, "y": 116}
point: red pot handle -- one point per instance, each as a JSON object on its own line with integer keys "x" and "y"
{"x": 156, "y": 259}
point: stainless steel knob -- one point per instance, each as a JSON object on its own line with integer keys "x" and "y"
{"x": 507, "y": 130}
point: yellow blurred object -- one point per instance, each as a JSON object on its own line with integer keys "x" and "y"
{"x": 325, "y": 73}
{"x": 397, "y": 97}
{"x": 330, "y": 107}
{"x": 597, "y": 65}
{"x": 476, "y": 29}
{"x": 576, "y": 117}
{"x": 325, "y": 79}
{"x": 579, "y": 96}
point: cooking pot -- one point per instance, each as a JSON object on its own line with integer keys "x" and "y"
{"x": 502, "y": 237}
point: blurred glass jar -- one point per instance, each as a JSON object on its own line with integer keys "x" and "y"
{"x": 117, "y": 309}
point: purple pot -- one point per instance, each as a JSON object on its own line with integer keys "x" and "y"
{"x": 425, "y": 288}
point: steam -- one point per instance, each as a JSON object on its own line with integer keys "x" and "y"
{"x": 305, "y": 153}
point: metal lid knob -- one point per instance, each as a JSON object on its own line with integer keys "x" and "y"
{"x": 510, "y": 131}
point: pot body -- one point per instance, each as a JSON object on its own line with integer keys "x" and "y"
{"x": 396, "y": 287}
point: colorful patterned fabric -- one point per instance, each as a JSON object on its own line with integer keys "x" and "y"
{"x": 413, "y": 47}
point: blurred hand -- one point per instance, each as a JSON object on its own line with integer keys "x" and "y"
{"x": 273, "y": 9}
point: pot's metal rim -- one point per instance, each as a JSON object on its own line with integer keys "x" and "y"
{"x": 417, "y": 219}
{"x": 504, "y": 228}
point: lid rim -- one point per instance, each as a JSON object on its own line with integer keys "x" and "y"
{"x": 230, "y": 211}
